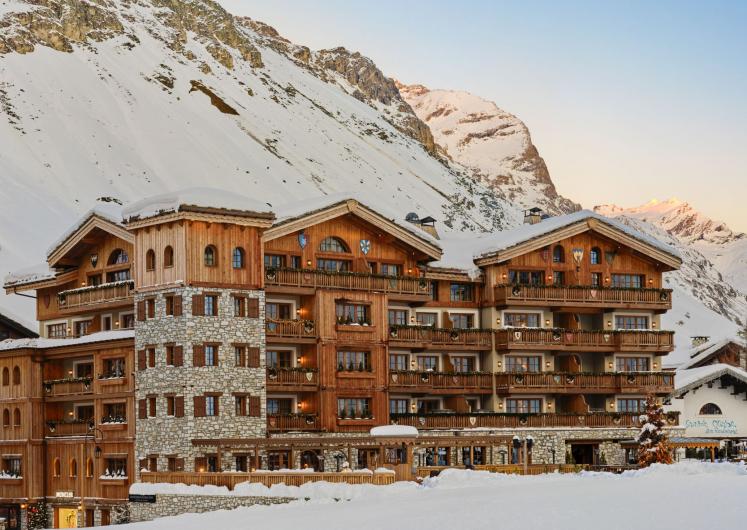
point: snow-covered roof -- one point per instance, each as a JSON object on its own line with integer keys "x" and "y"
{"x": 686, "y": 380}
{"x": 41, "y": 343}
{"x": 204, "y": 199}
{"x": 20, "y": 323}
{"x": 110, "y": 211}
{"x": 394, "y": 430}
{"x": 33, "y": 274}
{"x": 701, "y": 352}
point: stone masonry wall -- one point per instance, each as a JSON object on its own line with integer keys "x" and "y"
{"x": 170, "y": 504}
{"x": 167, "y": 435}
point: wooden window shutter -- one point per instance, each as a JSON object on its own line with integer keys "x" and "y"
{"x": 151, "y": 357}
{"x": 252, "y": 307}
{"x": 198, "y": 355}
{"x": 141, "y": 360}
{"x": 178, "y": 356}
{"x": 179, "y": 406}
{"x": 216, "y": 403}
{"x": 200, "y": 463}
{"x": 446, "y": 321}
{"x": 151, "y": 308}
{"x": 252, "y": 357}
{"x": 254, "y": 406}
{"x": 177, "y": 305}
{"x": 152, "y": 407}
{"x": 142, "y": 409}
{"x": 141, "y": 310}
{"x": 199, "y": 402}
{"x": 179, "y": 464}
{"x": 242, "y": 356}
{"x": 198, "y": 305}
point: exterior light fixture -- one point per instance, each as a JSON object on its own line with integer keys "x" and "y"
{"x": 308, "y": 263}
{"x": 547, "y": 322}
{"x": 653, "y": 325}
{"x": 500, "y": 363}
{"x": 412, "y": 319}
{"x": 656, "y": 365}
{"x": 609, "y": 323}
{"x": 97, "y": 452}
{"x": 498, "y": 321}
{"x": 547, "y": 364}
{"x": 610, "y": 365}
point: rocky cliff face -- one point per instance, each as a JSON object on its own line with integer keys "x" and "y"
{"x": 494, "y": 145}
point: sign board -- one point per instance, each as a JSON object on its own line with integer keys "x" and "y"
{"x": 711, "y": 427}
{"x": 64, "y": 494}
{"x": 142, "y": 498}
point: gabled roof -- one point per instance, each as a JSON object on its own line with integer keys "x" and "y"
{"x": 686, "y": 380}
{"x": 16, "y": 324}
{"x": 701, "y": 353}
{"x": 526, "y": 238}
{"x": 295, "y": 216}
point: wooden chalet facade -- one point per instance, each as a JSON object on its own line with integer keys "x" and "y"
{"x": 350, "y": 322}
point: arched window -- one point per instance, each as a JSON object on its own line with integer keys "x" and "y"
{"x": 6, "y": 418}
{"x": 211, "y": 256}
{"x": 17, "y": 417}
{"x": 56, "y": 467}
{"x": 16, "y": 375}
{"x": 117, "y": 257}
{"x": 150, "y": 260}
{"x": 6, "y": 376}
{"x": 238, "y": 258}
{"x": 168, "y": 256}
{"x": 710, "y": 409}
{"x": 89, "y": 467}
{"x": 595, "y": 256}
{"x": 73, "y": 467}
{"x": 558, "y": 255}
{"x": 333, "y": 244}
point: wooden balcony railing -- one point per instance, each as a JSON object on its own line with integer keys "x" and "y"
{"x": 291, "y": 329}
{"x": 564, "y": 382}
{"x": 503, "y": 420}
{"x": 289, "y": 478}
{"x": 68, "y": 428}
{"x": 99, "y": 294}
{"x": 427, "y": 335}
{"x": 68, "y": 387}
{"x": 352, "y": 281}
{"x": 552, "y": 295}
{"x": 293, "y": 422}
{"x": 440, "y": 382}
{"x": 565, "y": 339}
{"x": 292, "y": 377}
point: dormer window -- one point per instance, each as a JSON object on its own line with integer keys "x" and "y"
{"x": 118, "y": 257}
{"x": 211, "y": 256}
{"x": 333, "y": 244}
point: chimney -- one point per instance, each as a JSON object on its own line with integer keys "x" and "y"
{"x": 699, "y": 340}
{"x": 532, "y": 216}
{"x": 426, "y": 224}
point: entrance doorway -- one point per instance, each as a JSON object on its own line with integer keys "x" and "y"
{"x": 66, "y": 517}
{"x": 585, "y": 454}
{"x": 311, "y": 460}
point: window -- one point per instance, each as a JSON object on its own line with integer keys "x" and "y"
{"x": 150, "y": 308}
{"x": 433, "y": 290}
{"x": 398, "y": 406}
{"x": 240, "y": 405}
{"x": 237, "y": 258}
{"x": 398, "y": 361}
{"x": 17, "y": 417}
{"x": 710, "y": 409}
{"x": 128, "y": 321}
{"x": 348, "y": 313}
{"x": 428, "y": 405}
{"x": 151, "y": 407}
{"x": 89, "y": 467}
{"x": 116, "y": 467}
{"x": 16, "y": 375}
{"x": 211, "y": 405}
{"x": 173, "y": 305}
{"x": 353, "y": 360}
{"x": 631, "y": 322}
{"x": 428, "y": 363}
{"x": 333, "y": 244}
{"x": 333, "y": 265}
{"x": 168, "y": 256}
{"x": 463, "y": 364}
{"x": 211, "y": 355}
{"x": 526, "y": 277}
{"x": 118, "y": 276}
{"x": 627, "y": 281}
{"x": 461, "y": 320}
{"x": 279, "y": 359}
{"x": 274, "y": 261}
{"x": 94, "y": 279}
{"x": 631, "y": 405}
{"x": 114, "y": 368}
{"x": 558, "y": 278}
{"x": 558, "y": 254}
{"x": 426, "y": 319}
{"x": 521, "y": 320}
{"x": 56, "y": 468}
{"x": 73, "y": 467}
{"x": 524, "y": 363}
{"x": 279, "y": 405}
{"x": 210, "y": 257}
{"x": 632, "y": 364}
{"x": 397, "y": 317}
{"x": 278, "y": 311}
{"x": 150, "y": 260}
{"x": 12, "y": 466}
{"x": 114, "y": 413}
{"x": 83, "y": 412}
{"x": 57, "y": 331}
{"x": 241, "y": 463}
{"x": 84, "y": 369}
{"x": 461, "y": 292}
{"x": 106, "y": 322}
{"x": 595, "y": 256}
{"x": 353, "y": 407}
{"x": 239, "y": 306}
{"x": 524, "y": 406}
{"x": 596, "y": 279}
{"x": 6, "y": 418}
{"x": 389, "y": 269}
{"x": 211, "y": 305}
{"x": 170, "y": 405}
{"x": 6, "y": 376}
{"x": 118, "y": 257}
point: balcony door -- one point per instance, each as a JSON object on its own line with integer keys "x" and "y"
{"x": 568, "y": 363}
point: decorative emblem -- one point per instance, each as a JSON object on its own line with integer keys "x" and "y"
{"x": 631, "y": 379}
{"x": 593, "y": 293}
{"x": 570, "y": 379}
{"x": 94, "y": 260}
{"x": 609, "y": 256}
{"x": 581, "y": 420}
{"x": 309, "y": 376}
{"x": 578, "y": 254}
{"x": 517, "y": 335}
{"x": 556, "y": 379}
{"x": 472, "y": 420}
{"x": 302, "y": 239}
{"x": 455, "y": 379}
{"x": 395, "y": 377}
{"x": 272, "y": 421}
{"x": 454, "y": 335}
{"x": 556, "y": 336}
{"x": 664, "y": 296}
{"x": 308, "y": 326}
{"x": 606, "y": 337}
{"x": 545, "y": 253}
{"x": 47, "y": 300}
{"x": 421, "y": 420}
{"x": 516, "y": 291}
{"x": 569, "y": 337}
{"x": 519, "y": 379}
{"x": 523, "y": 420}
{"x": 365, "y": 246}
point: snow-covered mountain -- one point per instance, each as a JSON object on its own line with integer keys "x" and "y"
{"x": 494, "y": 145}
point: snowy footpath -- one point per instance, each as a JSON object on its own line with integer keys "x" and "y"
{"x": 689, "y": 495}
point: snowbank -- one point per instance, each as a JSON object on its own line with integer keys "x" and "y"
{"x": 394, "y": 430}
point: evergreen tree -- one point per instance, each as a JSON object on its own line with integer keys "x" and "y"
{"x": 653, "y": 446}
{"x": 37, "y": 516}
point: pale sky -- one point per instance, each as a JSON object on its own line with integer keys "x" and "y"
{"x": 626, "y": 101}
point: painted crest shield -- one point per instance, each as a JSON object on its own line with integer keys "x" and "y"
{"x": 365, "y": 246}
{"x": 302, "y": 240}
{"x": 578, "y": 254}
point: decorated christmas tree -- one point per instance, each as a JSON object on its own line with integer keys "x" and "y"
{"x": 37, "y": 516}
{"x": 653, "y": 446}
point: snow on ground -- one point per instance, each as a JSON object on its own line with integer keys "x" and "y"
{"x": 682, "y": 496}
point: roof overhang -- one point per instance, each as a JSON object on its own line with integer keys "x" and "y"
{"x": 93, "y": 222}
{"x": 736, "y": 374}
{"x": 351, "y": 206}
{"x": 59, "y": 279}
{"x": 208, "y": 215}
{"x": 669, "y": 261}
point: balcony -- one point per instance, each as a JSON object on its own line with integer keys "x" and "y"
{"x": 306, "y": 281}
{"x": 68, "y": 387}
{"x": 441, "y": 382}
{"x": 554, "y": 339}
{"x": 106, "y": 293}
{"x": 291, "y": 330}
{"x": 302, "y": 379}
{"x": 68, "y": 428}
{"x": 292, "y": 422}
{"x": 512, "y": 421}
{"x": 578, "y": 383}
{"x": 427, "y": 337}
{"x": 569, "y": 296}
